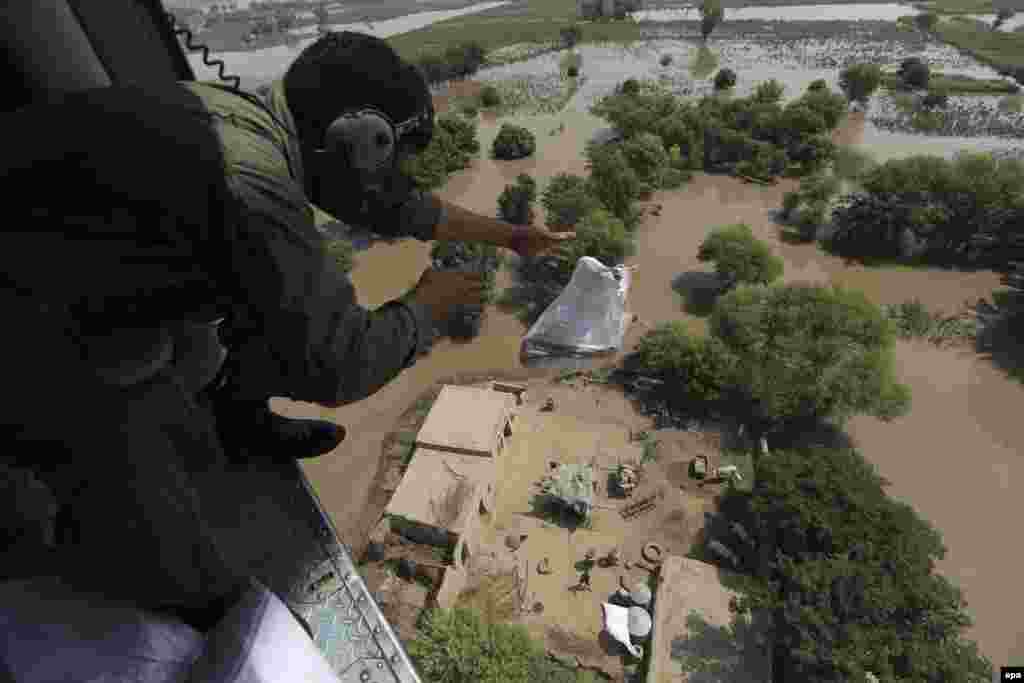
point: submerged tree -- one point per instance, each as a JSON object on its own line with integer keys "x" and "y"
{"x": 711, "y": 14}
{"x": 860, "y": 81}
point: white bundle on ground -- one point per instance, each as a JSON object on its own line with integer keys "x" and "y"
{"x": 588, "y": 317}
{"x": 616, "y": 622}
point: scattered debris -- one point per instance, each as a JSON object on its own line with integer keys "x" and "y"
{"x": 652, "y": 552}
{"x": 513, "y": 541}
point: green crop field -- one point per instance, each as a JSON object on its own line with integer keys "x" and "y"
{"x": 999, "y": 49}
{"x": 958, "y": 85}
{"x": 528, "y": 21}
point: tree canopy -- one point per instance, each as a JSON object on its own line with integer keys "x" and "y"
{"x": 458, "y": 646}
{"x": 848, "y": 574}
{"x": 739, "y": 256}
{"x": 810, "y": 352}
{"x": 860, "y": 81}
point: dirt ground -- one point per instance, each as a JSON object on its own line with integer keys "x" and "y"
{"x": 590, "y": 424}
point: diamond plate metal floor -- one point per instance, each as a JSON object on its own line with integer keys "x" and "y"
{"x": 270, "y": 522}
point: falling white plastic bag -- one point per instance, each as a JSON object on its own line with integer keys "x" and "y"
{"x": 616, "y": 622}
{"x": 588, "y": 317}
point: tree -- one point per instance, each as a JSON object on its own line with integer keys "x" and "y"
{"x": 630, "y": 87}
{"x": 699, "y": 368}
{"x": 725, "y": 79}
{"x": 937, "y": 98}
{"x": 599, "y": 235}
{"x": 850, "y": 578}
{"x": 513, "y": 142}
{"x": 515, "y": 204}
{"x": 711, "y": 15}
{"x": 571, "y": 35}
{"x": 457, "y": 646}
{"x": 809, "y": 352}
{"x": 739, "y": 256}
{"x": 926, "y": 21}
{"x": 860, "y": 81}
{"x": 566, "y": 200}
{"x": 914, "y": 72}
{"x": 768, "y": 92}
{"x": 612, "y": 181}
{"x": 647, "y": 156}
{"x": 489, "y": 96}
{"x": 829, "y": 105}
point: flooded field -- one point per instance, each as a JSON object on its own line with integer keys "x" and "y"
{"x": 953, "y": 458}
{"x": 258, "y": 67}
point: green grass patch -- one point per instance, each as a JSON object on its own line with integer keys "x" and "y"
{"x": 999, "y": 49}
{"x": 536, "y": 21}
{"x": 957, "y": 6}
{"x": 913, "y": 320}
{"x": 955, "y": 84}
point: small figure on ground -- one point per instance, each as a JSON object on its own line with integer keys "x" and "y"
{"x": 544, "y": 566}
{"x": 585, "y": 580}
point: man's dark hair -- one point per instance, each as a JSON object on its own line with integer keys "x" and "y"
{"x": 349, "y": 70}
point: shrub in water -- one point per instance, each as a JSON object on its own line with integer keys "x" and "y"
{"x": 665, "y": 60}
{"x": 566, "y": 200}
{"x": 860, "y": 81}
{"x": 489, "y": 96}
{"x": 515, "y": 204}
{"x": 630, "y": 86}
{"x": 739, "y": 256}
{"x": 769, "y": 91}
{"x": 936, "y": 99}
{"x": 513, "y": 142}
{"x": 573, "y": 71}
{"x": 612, "y": 180}
{"x": 571, "y": 35}
{"x": 725, "y": 79}
{"x": 914, "y": 72}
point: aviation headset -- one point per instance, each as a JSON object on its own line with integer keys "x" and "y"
{"x": 365, "y": 139}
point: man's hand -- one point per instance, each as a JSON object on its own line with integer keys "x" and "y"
{"x": 441, "y": 292}
{"x": 534, "y": 240}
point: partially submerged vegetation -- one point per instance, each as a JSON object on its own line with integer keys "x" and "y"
{"x": 453, "y": 146}
{"x": 781, "y": 355}
{"x": 848, "y": 574}
{"x": 754, "y": 136}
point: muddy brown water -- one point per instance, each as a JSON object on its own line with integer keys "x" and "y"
{"x": 953, "y": 458}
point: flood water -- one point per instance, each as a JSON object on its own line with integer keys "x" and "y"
{"x": 953, "y": 458}
{"x": 258, "y": 67}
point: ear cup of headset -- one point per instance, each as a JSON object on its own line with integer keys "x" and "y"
{"x": 366, "y": 137}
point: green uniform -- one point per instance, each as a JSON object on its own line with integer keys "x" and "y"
{"x": 135, "y": 217}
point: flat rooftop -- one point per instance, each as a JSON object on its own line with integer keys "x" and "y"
{"x": 440, "y": 488}
{"x": 467, "y": 419}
